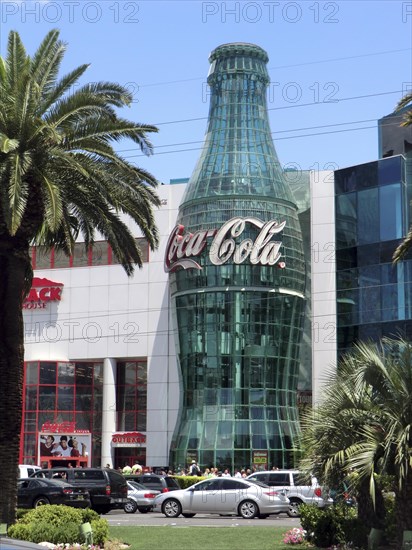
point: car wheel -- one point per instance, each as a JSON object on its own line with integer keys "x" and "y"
{"x": 294, "y": 508}
{"x": 188, "y": 515}
{"x": 130, "y": 507}
{"x": 41, "y": 501}
{"x": 248, "y": 509}
{"x": 144, "y": 510}
{"x": 171, "y": 508}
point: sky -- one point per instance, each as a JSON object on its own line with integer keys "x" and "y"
{"x": 336, "y": 67}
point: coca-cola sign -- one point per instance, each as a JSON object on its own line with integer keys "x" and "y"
{"x": 226, "y": 245}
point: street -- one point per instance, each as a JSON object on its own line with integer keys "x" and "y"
{"x": 120, "y": 518}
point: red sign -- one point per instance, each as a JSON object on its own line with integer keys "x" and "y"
{"x": 61, "y": 427}
{"x": 42, "y": 291}
{"x": 128, "y": 439}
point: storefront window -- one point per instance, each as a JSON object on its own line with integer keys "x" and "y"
{"x": 67, "y": 392}
{"x": 47, "y": 372}
{"x": 65, "y": 398}
{"x": 65, "y": 373}
{"x": 131, "y": 397}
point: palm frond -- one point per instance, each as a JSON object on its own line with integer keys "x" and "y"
{"x": 61, "y": 87}
{"x": 403, "y": 249}
{"x": 17, "y": 61}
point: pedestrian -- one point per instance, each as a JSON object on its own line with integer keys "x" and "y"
{"x": 127, "y": 469}
{"x": 136, "y": 468}
{"x": 194, "y": 469}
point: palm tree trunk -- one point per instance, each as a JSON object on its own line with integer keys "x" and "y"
{"x": 403, "y": 506}
{"x": 14, "y": 269}
{"x": 373, "y": 516}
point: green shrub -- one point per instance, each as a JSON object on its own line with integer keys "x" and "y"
{"x": 100, "y": 529}
{"x": 19, "y": 531}
{"x": 21, "y": 512}
{"x": 59, "y": 524}
{"x": 329, "y": 530}
{"x": 188, "y": 481}
{"x": 53, "y": 514}
{"x": 356, "y": 532}
{"x": 333, "y": 525}
{"x": 309, "y": 517}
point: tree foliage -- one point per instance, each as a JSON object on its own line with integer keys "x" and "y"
{"x": 60, "y": 178}
{"x": 364, "y": 422}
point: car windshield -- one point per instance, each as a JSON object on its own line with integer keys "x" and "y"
{"x": 135, "y": 485}
{"x": 53, "y": 481}
{"x": 257, "y": 482}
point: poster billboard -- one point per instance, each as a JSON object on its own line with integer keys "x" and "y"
{"x": 64, "y": 446}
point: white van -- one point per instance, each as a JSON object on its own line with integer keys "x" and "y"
{"x": 26, "y": 470}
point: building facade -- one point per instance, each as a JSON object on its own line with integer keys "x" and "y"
{"x": 101, "y": 364}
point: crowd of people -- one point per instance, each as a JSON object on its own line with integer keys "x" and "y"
{"x": 192, "y": 470}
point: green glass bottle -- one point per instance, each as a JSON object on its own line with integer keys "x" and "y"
{"x": 237, "y": 277}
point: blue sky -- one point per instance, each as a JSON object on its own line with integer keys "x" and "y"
{"x": 335, "y": 68}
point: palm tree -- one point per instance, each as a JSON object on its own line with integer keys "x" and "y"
{"x": 59, "y": 177}
{"x": 404, "y": 105}
{"x": 365, "y": 422}
{"x": 332, "y": 431}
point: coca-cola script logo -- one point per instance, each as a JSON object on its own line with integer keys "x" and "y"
{"x": 182, "y": 247}
{"x": 42, "y": 291}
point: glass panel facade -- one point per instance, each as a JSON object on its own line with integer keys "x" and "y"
{"x": 238, "y": 335}
{"x": 368, "y": 216}
{"x": 131, "y": 395}
{"x": 59, "y": 392}
{"x": 373, "y": 295}
{"x": 390, "y": 212}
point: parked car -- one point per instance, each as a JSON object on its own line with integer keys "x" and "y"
{"x": 162, "y": 483}
{"x": 297, "y": 490}
{"x": 224, "y": 496}
{"x": 7, "y": 543}
{"x": 32, "y": 493}
{"x": 107, "y": 488}
{"x": 139, "y": 498}
{"x": 26, "y": 470}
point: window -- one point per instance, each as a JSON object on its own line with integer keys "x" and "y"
{"x": 390, "y": 212}
{"x": 131, "y": 395}
{"x": 368, "y": 216}
{"x": 99, "y": 254}
{"x": 279, "y": 479}
{"x": 59, "y": 392}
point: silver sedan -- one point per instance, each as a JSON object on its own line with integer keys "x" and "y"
{"x": 225, "y": 496}
{"x": 139, "y": 498}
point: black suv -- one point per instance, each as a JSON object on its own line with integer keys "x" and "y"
{"x": 107, "y": 488}
{"x": 155, "y": 481}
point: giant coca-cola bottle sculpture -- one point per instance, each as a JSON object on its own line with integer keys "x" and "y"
{"x": 237, "y": 276}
